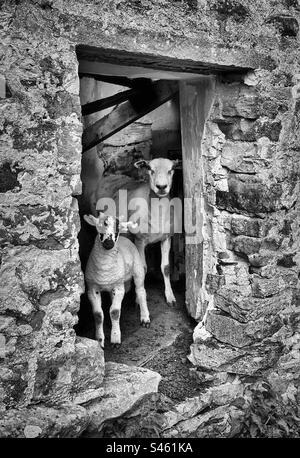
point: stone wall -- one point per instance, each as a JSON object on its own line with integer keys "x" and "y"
{"x": 252, "y": 182}
{"x": 251, "y": 148}
{"x": 252, "y": 190}
{"x": 41, "y": 280}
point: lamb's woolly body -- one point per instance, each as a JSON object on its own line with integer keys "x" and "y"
{"x": 112, "y": 270}
{"x": 106, "y": 268}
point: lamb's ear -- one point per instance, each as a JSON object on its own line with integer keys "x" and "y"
{"x": 90, "y": 219}
{"x": 142, "y": 163}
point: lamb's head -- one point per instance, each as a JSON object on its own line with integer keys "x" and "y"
{"x": 108, "y": 228}
{"x": 160, "y": 172}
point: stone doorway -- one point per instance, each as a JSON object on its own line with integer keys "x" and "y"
{"x": 156, "y": 134}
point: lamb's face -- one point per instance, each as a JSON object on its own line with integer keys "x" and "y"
{"x": 108, "y": 230}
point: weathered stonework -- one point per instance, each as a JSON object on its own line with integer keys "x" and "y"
{"x": 251, "y": 164}
{"x": 246, "y": 328}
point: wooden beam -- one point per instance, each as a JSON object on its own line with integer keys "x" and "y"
{"x": 107, "y": 102}
{"x": 134, "y": 83}
{"x": 194, "y": 61}
{"x": 195, "y": 103}
{"x": 118, "y": 80}
{"x": 128, "y": 112}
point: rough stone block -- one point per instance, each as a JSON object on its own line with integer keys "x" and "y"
{"x": 187, "y": 410}
{"x": 62, "y": 104}
{"x": 250, "y": 227}
{"x": 261, "y": 259}
{"x": 242, "y": 157}
{"x": 245, "y": 130}
{"x": 238, "y": 100}
{"x": 268, "y": 271}
{"x": 249, "y": 194}
{"x": 43, "y": 422}
{"x": 29, "y": 273}
{"x": 246, "y": 245}
{"x": 251, "y": 78}
{"x": 228, "y": 330}
{"x": 42, "y": 226}
{"x": 123, "y": 386}
{"x": 213, "y": 140}
{"x": 222, "y": 422}
{"x": 212, "y": 355}
{"x": 69, "y": 146}
{"x": 53, "y": 378}
{"x": 89, "y": 370}
{"x": 287, "y": 260}
{"x": 263, "y": 287}
{"x": 214, "y": 282}
{"x": 245, "y": 309}
{"x": 13, "y": 378}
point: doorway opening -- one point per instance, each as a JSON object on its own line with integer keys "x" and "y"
{"x": 114, "y": 139}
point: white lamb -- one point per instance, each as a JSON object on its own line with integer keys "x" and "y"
{"x": 113, "y": 262}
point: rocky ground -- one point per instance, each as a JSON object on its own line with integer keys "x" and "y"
{"x": 162, "y": 348}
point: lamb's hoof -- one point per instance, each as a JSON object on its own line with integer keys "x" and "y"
{"x": 116, "y": 345}
{"x": 145, "y": 324}
{"x": 171, "y": 304}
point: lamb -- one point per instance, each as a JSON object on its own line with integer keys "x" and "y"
{"x": 113, "y": 262}
{"x": 160, "y": 171}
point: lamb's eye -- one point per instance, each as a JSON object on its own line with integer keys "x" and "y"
{"x": 170, "y": 172}
{"x": 152, "y": 172}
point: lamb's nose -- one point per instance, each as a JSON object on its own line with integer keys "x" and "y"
{"x": 161, "y": 187}
{"x": 108, "y": 244}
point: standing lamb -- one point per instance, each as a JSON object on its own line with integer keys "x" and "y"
{"x": 113, "y": 262}
{"x": 159, "y": 228}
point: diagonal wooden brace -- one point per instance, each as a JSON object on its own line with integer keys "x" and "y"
{"x": 128, "y": 112}
{"x": 107, "y": 102}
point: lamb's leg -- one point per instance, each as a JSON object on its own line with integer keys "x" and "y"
{"x": 140, "y": 244}
{"x": 165, "y": 269}
{"x": 117, "y": 295}
{"x": 141, "y": 299}
{"x": 94, "y": 296}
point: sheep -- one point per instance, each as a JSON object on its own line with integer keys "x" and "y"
{"x": 113, "y": 262}
{"x": 160, "y": 171}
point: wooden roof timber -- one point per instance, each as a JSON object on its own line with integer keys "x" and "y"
{"x": 119, "y": 80}
{"x": 133, "y": 83}
{"x": 107, "y": 102}
{"x": 154, "y": 95}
